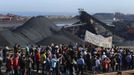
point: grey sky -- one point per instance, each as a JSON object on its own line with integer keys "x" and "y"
{"x": 92, "y": 6}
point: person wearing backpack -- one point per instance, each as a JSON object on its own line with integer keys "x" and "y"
{"x": 80, "y": 63}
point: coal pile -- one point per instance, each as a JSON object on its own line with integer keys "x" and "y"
{"x": 38, "y": 30}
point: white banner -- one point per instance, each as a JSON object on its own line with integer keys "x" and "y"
{"x": 98, "y": 40}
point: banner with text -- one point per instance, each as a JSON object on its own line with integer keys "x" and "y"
{"x": 98, "y": 40}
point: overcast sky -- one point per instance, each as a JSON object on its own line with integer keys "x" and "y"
{"x": 92, "y": 6}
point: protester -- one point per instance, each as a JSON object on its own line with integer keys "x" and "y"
{"x": 37, "y": 59}
{"x": 54, "y": 61}
{"x": 105, "y": 64}
{"x": 97, "y": 64}
{"x": 128, "y": 60}
{"x": 4, "y": 53}
{"x": 16, "y": 64}
{"x": 22, "y": 64}
{"x": 28, "y": 64}
{"x": 43, "y": 61}
{"x": 80, "y": 64}
{"x": 48, "y": 64}
{"x": 9, "y": 65}
{"x": 1, "y": 61}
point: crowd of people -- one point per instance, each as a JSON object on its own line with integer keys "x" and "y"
{"x": 66, "y": 59}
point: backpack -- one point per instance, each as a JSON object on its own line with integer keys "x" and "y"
{"x": 53, "y": 63}
{"x": 80, "y": 61}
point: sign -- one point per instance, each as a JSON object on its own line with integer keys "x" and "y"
{"x": 98, "y": 40}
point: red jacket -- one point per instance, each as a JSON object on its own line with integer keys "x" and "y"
{"x": 15, "y": 63}
{"x": 37, "y": 56}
